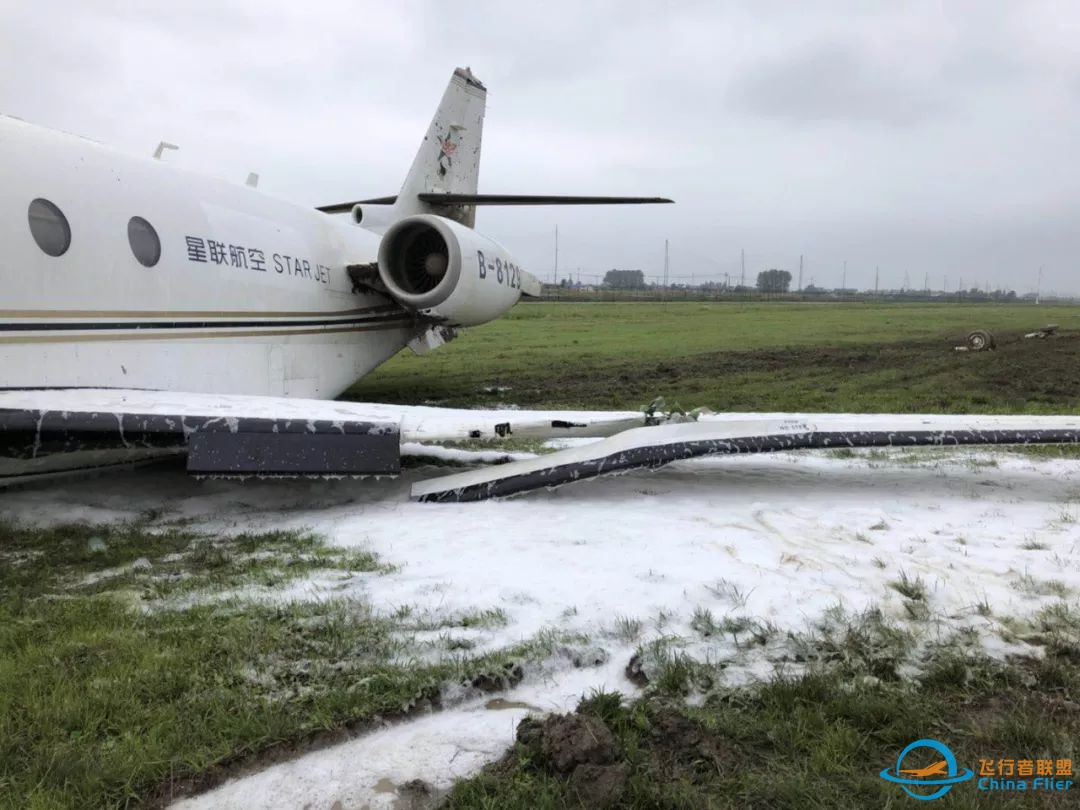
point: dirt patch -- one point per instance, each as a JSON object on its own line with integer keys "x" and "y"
{"x": 565, "y": 741}
{"x": 1037, "y": 371}
{"x": 581, "y": 749}
{"x": 912, "y": 375}
{"x": 582, "y": 752}
{"x": 599, "y": 785}
{"x": 417, "y": 794}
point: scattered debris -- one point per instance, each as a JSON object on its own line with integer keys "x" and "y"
{"x": 656, "y": 415}
{"x": 1047, "y": 331}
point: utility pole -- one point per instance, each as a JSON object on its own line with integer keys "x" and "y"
{"x": 742, "y": 257}
{"x": 665, "y": 263}
{"x": 843, "y": 278}
{"x": 1038, "y": 286}
{"x": 800, "y": 272}
{"x": 556, "y": 254}
{"x": 876, "y": 279}
{"x": 907, "y": 282}
{"x": 926, "y": 282}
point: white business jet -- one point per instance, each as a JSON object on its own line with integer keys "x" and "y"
{"x": 147, "y": 311}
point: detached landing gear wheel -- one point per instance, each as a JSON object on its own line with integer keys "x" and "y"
{"x": 980, "y": 340}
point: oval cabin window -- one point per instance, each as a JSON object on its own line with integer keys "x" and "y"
{"x": 144, "y": 241}
{"x": 49, "y": 227}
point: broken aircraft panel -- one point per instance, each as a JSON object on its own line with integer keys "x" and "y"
{"x": 653, "y": 447}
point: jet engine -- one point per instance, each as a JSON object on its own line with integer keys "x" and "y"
{"x": 448, "y": 272}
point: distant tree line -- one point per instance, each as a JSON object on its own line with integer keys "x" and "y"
{"x": 625, "y": 279}
{"x": 778, "y": 282}
{"x": 773, "y": 281}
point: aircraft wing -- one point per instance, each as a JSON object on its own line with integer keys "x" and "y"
{"x": 49, "y": 431}
{"x": 652, "y": 447}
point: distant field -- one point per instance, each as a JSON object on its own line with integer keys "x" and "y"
{"x": 753, "y": 356}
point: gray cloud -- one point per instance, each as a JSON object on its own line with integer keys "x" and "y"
{"x": 834, "y": 82}
{"x": 919, "y": 137}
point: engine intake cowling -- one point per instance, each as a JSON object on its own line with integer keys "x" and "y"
{"x": 448, "y": 272}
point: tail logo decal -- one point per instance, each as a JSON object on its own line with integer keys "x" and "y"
{"x": 447, "y": 147}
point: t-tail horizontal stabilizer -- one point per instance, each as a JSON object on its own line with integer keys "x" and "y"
{"x": 652, "y": 447}
{"x": 498, "y": 199}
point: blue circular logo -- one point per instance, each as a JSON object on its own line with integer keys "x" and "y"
{"x": 943, "y": 773}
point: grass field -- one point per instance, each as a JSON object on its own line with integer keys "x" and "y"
{"x": 762, "y": 356}
{"x": 132, "y": 667}
{"x": 794, "y": 743}
{"x": 117, "y": 689}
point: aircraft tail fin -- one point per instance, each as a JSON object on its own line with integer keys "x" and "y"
{"x": 444, "y": 176}
{"x": 448, "y": 161}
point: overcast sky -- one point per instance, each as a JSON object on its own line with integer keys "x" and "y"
{"x": 922, "y": 137}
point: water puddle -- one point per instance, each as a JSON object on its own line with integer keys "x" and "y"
{"x": 501, "y": 704}
{"x": 384, "y": 785}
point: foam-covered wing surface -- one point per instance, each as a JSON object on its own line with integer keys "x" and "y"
{"x": 653, "y": 447}
{"x": 48, "y": 431}
{"x": 38, "y": 441}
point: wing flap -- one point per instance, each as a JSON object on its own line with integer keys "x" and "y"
{"x": 40, "y": 440}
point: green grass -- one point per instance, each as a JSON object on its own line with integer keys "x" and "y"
{"x": 760, "y": 356}
{"x": 913, "y": 589}
{"x": 114, "y": 691}
{"x": 162, "y": 562}
{"x": 817, "y": 740}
